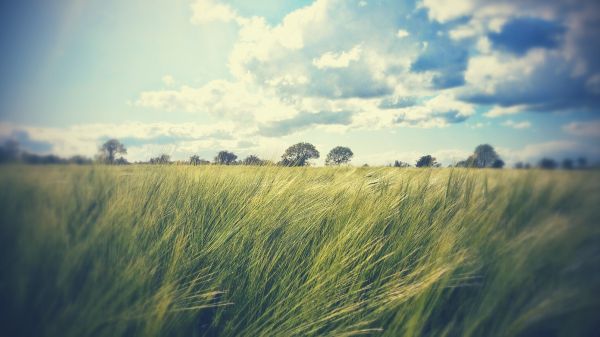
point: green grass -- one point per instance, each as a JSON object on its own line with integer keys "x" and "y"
{"x": 267, "y": 251}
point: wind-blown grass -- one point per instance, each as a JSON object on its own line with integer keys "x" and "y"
{"x": 267, "y": 251}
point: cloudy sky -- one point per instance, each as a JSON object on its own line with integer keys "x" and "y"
{"x": 390, "y": 79}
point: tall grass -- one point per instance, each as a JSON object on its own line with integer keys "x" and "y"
{"x": 243, "y": 251}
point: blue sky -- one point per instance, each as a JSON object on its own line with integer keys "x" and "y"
{"x": 393, "y": 80}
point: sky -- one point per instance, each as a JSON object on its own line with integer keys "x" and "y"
{"x": 392, "y": 80}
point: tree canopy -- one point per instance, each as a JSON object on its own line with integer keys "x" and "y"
{"x": 109, "y": 150}
{"x": 252, "y": 160}
{"x": 299, "y": 154}
{"x": 339, "y": 155}
{"x": 225, "y": 158}
{"x": 161, "y": 160}
{"x": 427, "y": 161}
{"x": 484, "y": 156}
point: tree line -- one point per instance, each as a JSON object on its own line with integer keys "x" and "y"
{"x": 112, "y": 152}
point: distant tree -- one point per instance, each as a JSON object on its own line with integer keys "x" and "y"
{"x": 299, "y": 155}
{"x": 225, "y": 158}
{"x": 519, "y": 165}
{"x": 339, "y": 155}
{"x": 498, "y": 163}
{"x": 121, "y": 161}
{"x": 110, "y": 149}
{"x": 465, "y": 163}
{"x": 567, "y": 164}
{"x": 401, "y": 164}
{"x": 365, "y": 165}
{"x": 9, "y": 151}
{"x": 36, "y": 159}
{"x": 163, "y": 159}
{"x": 484, "y": 156}
{"x": 581, "y": 162}
{"x": 527, "y": 166}
{"x": 427, "y": 161}
{"x": 196, "y": 160}
{"x": 547, "y": 164}
{"x": 31, "y": 158}
{"x": 79, "y": 160}
{"x": 252, "y": 160}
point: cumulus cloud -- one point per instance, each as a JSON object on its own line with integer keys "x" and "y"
{"x": 208, "y": 11}
{"x": 439, "y": 111}
{"x": 399, "y": 64}
{"x": 338, "y": 60}
{"x": 446, "y": 10}
{"x": 327, "y": 57}
{"x": 534, "y": 54}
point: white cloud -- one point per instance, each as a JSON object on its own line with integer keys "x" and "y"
{"x": 462, "y": 32}
{"x": 322, "y": 57}
{"x": 402, "y": 33}
{"x": 208, "y": 11}
{"x": 584, "y": 129}
{"x": 224, "y": 99}
{"x": 517, "y": 125}
{"x": 446, "y": 10}
{"x": 440, "y": 111}
{"x": 338, "y": 60}
{"x": 485, "y": 73}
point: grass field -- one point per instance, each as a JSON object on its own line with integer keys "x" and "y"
{"x": 267, "y": 251}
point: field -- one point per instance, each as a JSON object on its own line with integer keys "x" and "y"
{"x": 268, "y": 251}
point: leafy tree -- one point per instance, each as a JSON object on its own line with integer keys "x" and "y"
{"x": 427, "y": 161}
{"x": 9, "y": 152}
{"x": 547, "y": 164}
{"x": 568, "y": 164}
{"x": 225, "y": 158}
{"x": 401, "y": 164}
{"x": 339, "y": 155}
{"x": 299, "y": 154}
{"x": 483, "y": 156}
{"x": 161, "y": 160}
{"x": 498, "y": 163}
{"x": 110, "y": 149}
{"x": 252, "y": 160}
